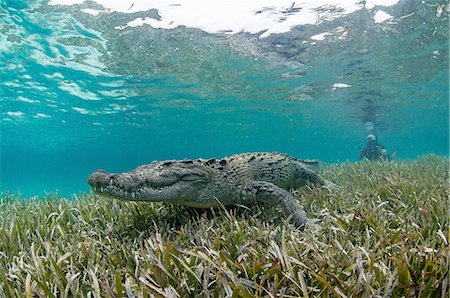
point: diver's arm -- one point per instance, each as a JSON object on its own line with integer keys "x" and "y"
{"x": 361, "y": 153}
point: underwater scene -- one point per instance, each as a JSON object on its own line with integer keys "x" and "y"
{"x": 224, "y": 148}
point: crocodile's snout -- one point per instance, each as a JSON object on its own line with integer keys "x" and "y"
{"x": 166, "y": 181}
{"x": 99, "y": 179}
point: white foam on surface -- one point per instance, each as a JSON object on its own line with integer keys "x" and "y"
{"x": 231, "y": 16}
{"x": 27, "y": 100}
{"x": 17, "y": 114}
{"x": 380, "y": 16}
{"x": 41, "y": 115}
{"x": 74, "y": 89}
{"x": 340, "y": 86}
{"x": 12, "y": 84}
{"x": 83, "y": 111}
{"x": 93, "y": 12}
{"x": 320, "y": 36}
{"x": 372, "y": 3}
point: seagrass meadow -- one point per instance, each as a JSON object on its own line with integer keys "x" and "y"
{"x": 384, "y": 234}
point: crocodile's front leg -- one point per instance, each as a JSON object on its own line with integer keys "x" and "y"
{"x": 270, "y": 193}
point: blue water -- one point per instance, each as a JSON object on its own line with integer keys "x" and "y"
{"x": 77, "y": 95}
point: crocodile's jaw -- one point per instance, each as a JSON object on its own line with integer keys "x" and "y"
{"x": 151, "y": 183}
{"x": 180, "y": 191}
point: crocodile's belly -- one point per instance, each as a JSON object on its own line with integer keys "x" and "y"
{"x": 212, "y": 201}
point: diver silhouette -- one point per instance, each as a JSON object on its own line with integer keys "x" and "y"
{"x": 374, "y": 151}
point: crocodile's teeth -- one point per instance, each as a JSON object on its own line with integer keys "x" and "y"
{"x": 126, "y": 193}
{"x": 133, "y": 195}
{"x": 95, "y": 188}
{"x": 101, "y": 189}
{"x": 111, "y": 182}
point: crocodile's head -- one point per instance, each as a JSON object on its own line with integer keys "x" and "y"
{"x": 168, "y": 181}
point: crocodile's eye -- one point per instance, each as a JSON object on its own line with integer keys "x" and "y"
{"x": 187, "y": 161}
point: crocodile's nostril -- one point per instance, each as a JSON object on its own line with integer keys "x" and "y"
{"x": 99, "y": 178}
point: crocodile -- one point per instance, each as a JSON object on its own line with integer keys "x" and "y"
{"x": 241, "y": 179}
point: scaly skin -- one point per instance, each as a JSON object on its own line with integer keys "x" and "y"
{"x": 240, "y": 179}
